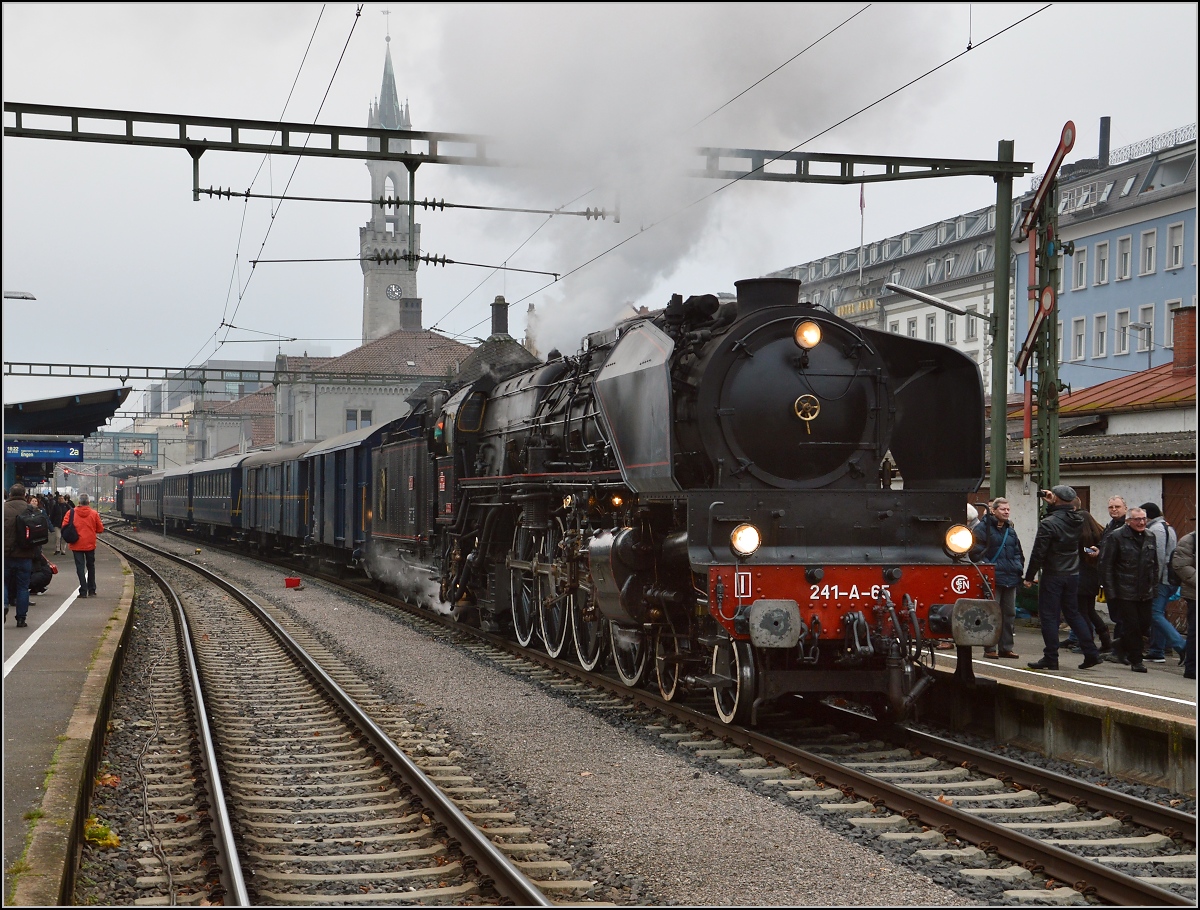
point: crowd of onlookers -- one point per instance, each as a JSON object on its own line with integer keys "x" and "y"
{"x": 1135, "y": 565}
{"x": 27, "y": 570}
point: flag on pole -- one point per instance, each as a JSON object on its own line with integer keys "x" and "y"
{"x": 862, "y": 202}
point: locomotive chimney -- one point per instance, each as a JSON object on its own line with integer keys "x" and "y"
{"x": 499, "y": 317}
{"x": 757, "y": 293}
{"x": 1105, "y": 125}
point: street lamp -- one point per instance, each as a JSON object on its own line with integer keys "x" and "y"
{"x": 1147, "y": 328}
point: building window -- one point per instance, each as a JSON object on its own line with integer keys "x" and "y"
{"x": 1146, "y": 260}
{"x": 817, "y": 299}
{"x": 1100, "y": 343}
{"x": 930, "y": 271}
{"x": 1060, "y": 342}
{"x": 894, "y": 328}
{"x": 981, "y": 259}
{"x": 1169, "y": 330}
{"x": 1128, "y": 185}
{"x": 950, "y": 327}
{"x": 364, "y": 418}
{"x": 1101, "y": 263}
{"x": 941, "y": 233}
{"x": 1078, "y": 337}
{"x": 1175, "y": 246}
{"x": 912, "y": 328}
{"x": 1080, "y": 259}
{"x": 1061, "y": 272}
{"x": 896, "y": 275}
{"x": 351, "y": 420}
{"x": 949, "y": 267}
{"x": 1122, "y": 345}
{"x": 1145, "y": 336}
{"x": 931, "y": 328}
{"x": 1124, "y": 252}
{"x": 972, "y": 324}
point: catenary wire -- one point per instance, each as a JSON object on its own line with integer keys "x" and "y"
{"x": 799, "y": 145}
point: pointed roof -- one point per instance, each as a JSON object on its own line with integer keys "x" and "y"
{"x": 391, "y": 117}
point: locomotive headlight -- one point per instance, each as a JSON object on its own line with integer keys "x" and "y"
{"x": 959, "y": 540}
{"x": 807, "y": 335}
{"x": 617, "y": 500}
{"x": 745, "y": 539}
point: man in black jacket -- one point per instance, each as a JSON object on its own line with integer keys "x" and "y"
{"x": 1055, "y": 554}
{"x": 58, "y": 511}
{"x": 1129, "y": 571}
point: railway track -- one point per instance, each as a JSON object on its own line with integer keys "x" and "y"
{"x": 324, "y": 801}
{"x": 1032, "y": 833}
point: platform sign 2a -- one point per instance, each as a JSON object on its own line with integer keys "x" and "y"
{"x": 19, "y": 451}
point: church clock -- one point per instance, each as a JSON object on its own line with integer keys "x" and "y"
{"x": 393, "y": 291}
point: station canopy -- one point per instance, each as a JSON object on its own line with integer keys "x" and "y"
{"x": 71, "y": 415}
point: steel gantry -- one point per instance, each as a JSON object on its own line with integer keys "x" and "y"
{"x": 196, "y": 135}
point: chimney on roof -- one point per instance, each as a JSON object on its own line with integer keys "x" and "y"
{"x": 1105, "y": 125}
{"x": 499, "y": 316}
{"x": 1184, "y": 340}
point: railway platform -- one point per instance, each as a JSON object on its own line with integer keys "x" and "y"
{"x": 1137, "y": 726}
{"x": 57, "y": 675}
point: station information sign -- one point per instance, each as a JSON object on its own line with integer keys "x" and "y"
{"x": 43, "y": 451}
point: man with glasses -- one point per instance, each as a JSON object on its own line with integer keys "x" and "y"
{"x": 1129, "y": 571}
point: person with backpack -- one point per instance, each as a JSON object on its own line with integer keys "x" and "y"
{"x": 41, "y": 576}
{"x": 19, "y": 551}
{"x": 1163, "y": 635}
{"x": 85, "y": 522}
{"x": 996, "y": 542}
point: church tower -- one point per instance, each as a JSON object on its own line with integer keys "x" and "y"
{"x": 390, "y": 300}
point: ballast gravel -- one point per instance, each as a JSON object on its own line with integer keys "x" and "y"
{"x": 648, "y": 822}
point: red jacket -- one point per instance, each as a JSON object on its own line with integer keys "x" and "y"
{"x": 88, "y": 524}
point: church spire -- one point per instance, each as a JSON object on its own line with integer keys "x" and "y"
{"x": 390, "y": 114}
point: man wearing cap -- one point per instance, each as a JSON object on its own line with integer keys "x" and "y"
{"x": 1055, "y": 554}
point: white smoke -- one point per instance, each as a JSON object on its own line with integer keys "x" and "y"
{"x": 615, "y": 98}
{"x": 412, "y": 581}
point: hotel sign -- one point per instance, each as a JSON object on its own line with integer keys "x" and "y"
{"x": 855, "y": 308}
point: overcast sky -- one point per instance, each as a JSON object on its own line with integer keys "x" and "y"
{"x": 593, "y": 103}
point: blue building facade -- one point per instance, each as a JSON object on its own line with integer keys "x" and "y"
{"x": 1131, "y": 216}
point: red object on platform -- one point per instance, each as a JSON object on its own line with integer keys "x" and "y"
{"x": 291, "y": 582}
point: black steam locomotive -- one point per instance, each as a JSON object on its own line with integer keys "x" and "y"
{"x": 751, "y": 498}
{"x": 709, "y": 494}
